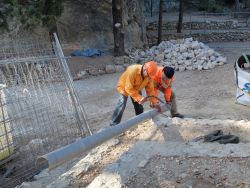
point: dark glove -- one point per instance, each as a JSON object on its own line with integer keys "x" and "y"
{"x": 168, "y": 102}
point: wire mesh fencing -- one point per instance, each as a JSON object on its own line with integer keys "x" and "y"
{"x": 39, "y": 109}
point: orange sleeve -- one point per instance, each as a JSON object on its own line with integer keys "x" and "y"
{"x": 167, "y": 94}
{"x": 129, "y": 87}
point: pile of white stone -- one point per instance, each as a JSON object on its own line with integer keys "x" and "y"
{"x": 184, "y": 54}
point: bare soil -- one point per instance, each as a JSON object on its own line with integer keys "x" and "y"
{"x": 208, "y": 94}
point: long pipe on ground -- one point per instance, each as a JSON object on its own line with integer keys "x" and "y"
{"x": 68, "y": 152}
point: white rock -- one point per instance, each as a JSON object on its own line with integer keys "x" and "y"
{"x": 180, "y": 62}
{"x": 174, "y": 54}
{"x": 199, "y": 67}
{"x": 204, "y": 58}
{"x": 110, "y": 69}
{"x": 25, "y": 185}
{"x": 142, "y": 53}
{"x": 160, "y": 56}
{"x": 195, "y": 45}
{"x": 189, "y": 39}
{"x": 167, "y": 51}
{"x": 42, "y": 175}
{"x": 200, "y": 55}
{"x": 202, "y": 45}
{"x": 119, "y": 68}
{"x": 185, "y": 55}
{"x": 205, "y": 66}
{"x": 210, "y": 52}
{"x": 142, "y": 164}
{"x": 176, "y": 67}
{"x": 191, "y": 54}
{"x": 166, "y": 63}
{"x": 212, "y": 58}
{"x": 180, "y": 58}
{"x": 181, "y": 68}
{"x": 173, "y": 61}
{"x": 199, "y": 62}
{"x": 156, "y": 52}
{"x": 168, "y": 56}
{"x": 221, "y": 59}
{"x": 183, "y": 48}
{"x": 210, "y": 65}
{"x": 187, "y": 63}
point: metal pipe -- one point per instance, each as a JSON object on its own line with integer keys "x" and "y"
{"x": 66, "y": 153}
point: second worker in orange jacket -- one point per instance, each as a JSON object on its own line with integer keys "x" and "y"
{"x": 163, "y": 79}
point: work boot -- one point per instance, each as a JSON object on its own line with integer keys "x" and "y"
{"x": 178, "y": 115}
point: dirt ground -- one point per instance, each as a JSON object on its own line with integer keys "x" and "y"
{"x": 206, "y": 94}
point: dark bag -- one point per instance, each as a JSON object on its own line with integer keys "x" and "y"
{"x": 217, "y": 136}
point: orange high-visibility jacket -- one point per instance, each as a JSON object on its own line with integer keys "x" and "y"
{"x": 158, "y": 85}
{"x": 131, "y": 83}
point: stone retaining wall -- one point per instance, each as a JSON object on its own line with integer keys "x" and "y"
{"x": 232, "y": 24}
{"x": 208, "y": 31}
{"x": 204, "y": 37}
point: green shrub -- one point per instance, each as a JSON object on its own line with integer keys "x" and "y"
{"x": 34, "y": 12}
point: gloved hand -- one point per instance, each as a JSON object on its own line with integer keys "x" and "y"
{"x": 157, "y": 106}
{"x": 168, "y": 102}
{"x": 143, "y": 100}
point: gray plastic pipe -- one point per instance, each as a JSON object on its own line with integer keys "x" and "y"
{"x": 68, "y": 152}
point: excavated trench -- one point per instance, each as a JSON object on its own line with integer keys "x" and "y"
{"x": 176, "y": 160}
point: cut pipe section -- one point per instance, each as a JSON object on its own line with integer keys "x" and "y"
{"x": 68, "y": 152}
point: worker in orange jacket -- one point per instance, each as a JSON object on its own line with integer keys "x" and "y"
{"x": 163, "y": 79}
{"x": 132, "y": 81}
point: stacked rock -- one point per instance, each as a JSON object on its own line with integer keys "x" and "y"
{"x": 182, "y": 54}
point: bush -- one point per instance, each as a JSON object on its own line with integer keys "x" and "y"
{"x": 214, "y": 7}
{"x": 33, "y": 13}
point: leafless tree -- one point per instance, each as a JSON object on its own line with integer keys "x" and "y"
{"x": 237, "y": 5}
{"x": 179, "y": 26}
{"x": 118, "y": 27}
{"x": 160, "y": 22}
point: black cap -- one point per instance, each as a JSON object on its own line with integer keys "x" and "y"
{"x": 168, "y": 71}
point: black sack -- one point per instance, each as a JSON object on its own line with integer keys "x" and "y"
{"x": 217, "y": 136}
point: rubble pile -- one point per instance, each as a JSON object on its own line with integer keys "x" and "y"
{"x": 182, "y": 54}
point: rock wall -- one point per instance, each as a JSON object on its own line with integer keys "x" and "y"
{"x": 89, "y": 23}
{"x": 209, "y": 31}
{"x": 225, "y": 36}
{"x": 195, "y": 25}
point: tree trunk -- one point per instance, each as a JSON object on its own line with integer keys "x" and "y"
{"x": 237, "y": 5}
{"x": 160, "y": 21}
{"x": 118, "y": 27}
{"x": 151, "y": 8}
{"x": 179, "y": 27}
